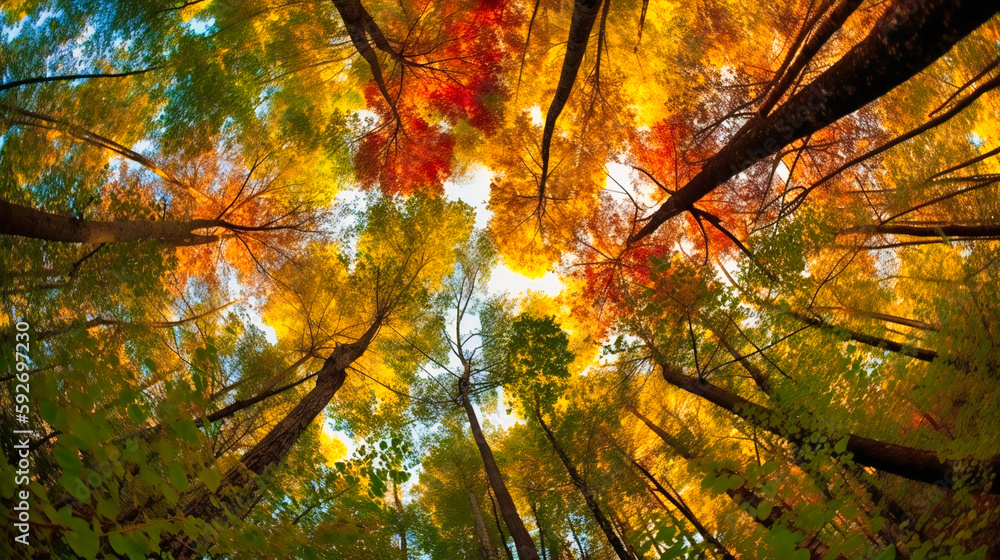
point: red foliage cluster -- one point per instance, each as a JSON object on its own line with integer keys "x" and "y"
{"x": 451, "y": 75}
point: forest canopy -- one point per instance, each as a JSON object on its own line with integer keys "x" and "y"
{"x": 265, "y": 270}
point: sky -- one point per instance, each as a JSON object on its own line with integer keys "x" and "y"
{"x": 473, "y": 189}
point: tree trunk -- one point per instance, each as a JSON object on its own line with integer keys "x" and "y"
{"x": 489, "y": 553}
{"x": 541, "y": 531}
{"x": 906, "y": 39}
{"x": 924, "y": 326}
{"x": 739, "y": 495}
{"x": 685, "y": 511}
{"x": 921, "y": 354}
{"x": 576, "y": 538}
{"x": 817, "y": 548}
{"x": 402, "y": 521}
{"x": 910, "y": 463}
{"x": 273, "y": 448}
{"x": 106, "y": 322}
{"x": 675, "y": 443}
{"x": 758, "y": 376}
{"x": 588, "y": 494}
{"x": 581, "y": 24}
{"x": 984, "y": 231}
{"x": 496, "y": 517}
{"x": 522, "y": 539}
{"x": 28, "y": 222}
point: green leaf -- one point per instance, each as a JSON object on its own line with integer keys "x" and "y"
{"x": 49, "y": 411}
{"x": 69, "y": 461}
{"x": 118, "y": 542}
{"x": 108, "y": 509}
{"x": 211, "y": 478}
{"x": 136, "y": 414}
{"x": 177, "y": 476}
{"x": 187, "y": 430}
{"x": 764, "y": 509}
{"x": 169, "y": 493}
{"x": 83, "y": 542}
{"x": 841, "y": 445}
{"x": 76, "y": 487}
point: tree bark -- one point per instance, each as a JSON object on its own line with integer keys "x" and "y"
{"x": 70, "y": 77}
{"x": 496, "y": 517}
{"x": 273, "y": 448}
{"x": 817, "y": 548}
{"x": 402, "y": 521}
{"x": 686, "y": 512}
{"x": 588, "y": 494}
{"x": 675, "y": 443}
{"x": 906, "y": 39}
{"x": 489, "y": 553}
{"x": 921, "y": 354}
{"x": 37, "y": 224}
{"x": 887, "y": 318}
{"x": 541, "y": 531}
{"x": 907, "y": 462}
{"x": 581, "y": 24}
{"x": 758, "y": 376}
{"x": 522, "y": 539}
{"x": 985, "y": 231}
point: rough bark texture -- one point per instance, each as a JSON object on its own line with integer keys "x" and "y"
{"x": 907, "y": 39}
{"x": 584, "y": 16}
{"x": 823, "y": 29}
{"x": 37, "y": 224}
{"x": 686, "y": 512}
{"x": 912, "y": 351}
{"x": 675, "y": 442}
{"x": 273, "y": 448}
{"x": 914, "y": 464}
{"x": 758, "y": 376}
{"x": 496, "y": 518}
{"x": 485, "y": 546}
{"x": 984, "y": 231}
{"x": 522, "y": 539}
{"x": 585, "y": 490}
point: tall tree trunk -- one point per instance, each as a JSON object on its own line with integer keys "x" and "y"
{"x": 739, "y": 495}
{"x": 37, "y": 224}
{"x": 914, "y": 323}
{"x": 496, "y": 517}
{"x": 758, "y": 376}
{"x": 21, "y": 117}
{"x": 70, "y": 77}
{"x": 584, "y": 488}
{"x": 402, "y": 521}
{"x": 675, "y": 443}
{"x": 576, "y": 538}
{"x": 274, "y": 446}
{"x": 489, "y": 552}
{"x": 905, "y": 40}
{"x": 522, "y": 539}
{"x": 685, "y": 511}
{"x": 107, "y": 322}
{"x": 921, "y": 354}
{"x": 817, "y": 548}
{"x": 914, "y": 464}
{"x": 965, "y": 231}
{"x": 541, "y": 530}
{"x": 581, "y": 24}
